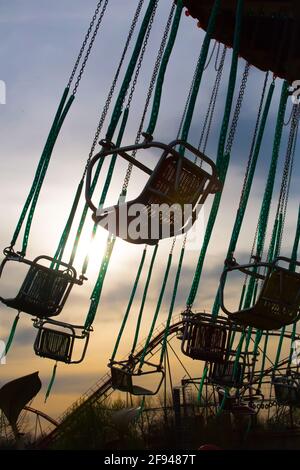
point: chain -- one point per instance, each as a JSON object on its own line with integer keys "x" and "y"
{"x": 263, "y": 406}
{"x": 84, "y": 43}
{"x": 113, "y": 86}
{"x": 149, "y": 95}
{"x": 212, "y": 104}
{"x": 288, "y": 168}
{"x": 217, "y": 57}
{"x": 237, "y": 111}
{"x": 254, "y": 137}
{"x": 86, "y": 57}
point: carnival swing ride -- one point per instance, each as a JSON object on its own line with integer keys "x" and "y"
{"x": 242, "y": 371}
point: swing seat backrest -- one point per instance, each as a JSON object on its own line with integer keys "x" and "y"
{"x": 44, "y": 290}
{"x": 287, "y": 392}
{"x": 52, "y": 344}
{"x": 161, "y": 186}
{"x": 204, "y": 341}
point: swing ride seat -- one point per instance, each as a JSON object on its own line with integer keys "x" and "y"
{"x": 174, "y": 183}
{"x": 204, "y": 338}
{"x": 279, "y": 299}
{"x": 44, "y": 290}
{"x": 269, "y": 29}
{"x": 56, "y": 340}
{"x": 224, "y": 374}
{"x": 122, "y": 376}
{"x": 287, "y": 391}
{"x": 235, "y": 405}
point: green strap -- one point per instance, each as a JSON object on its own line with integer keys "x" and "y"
{"x": 171, "y": 309}
{"x": 163, "y": 68}
{"x": 65, "y": 235}
{"x": 200, "y": 70}
{"x": 221, "y": 407}
{"x": 205, "y": 371}
{"x": 244, "y": 202}
{"x": 43, "y": 172}
{"x": 222, "y": 159}
{"x": 51, "y": 383}
{"x": 132, "y": 296}
{"x": 296, "y": 245}
{"x": 11, "y": 336}
{"x": 157, "y": 310}
{"x": 40, "y": 167}
{"x": 107, "y": 182}
{"x": 137, "y": 331}
{"x": 207, "y": 236}
{"x": 96, "y": 294}
{"x": 267, "y": 199}
{"x": 264, "y": 356}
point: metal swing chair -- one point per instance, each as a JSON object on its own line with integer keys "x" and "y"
{"x": 124, "y": 376}
{"x": 205, "y": 338}
{"x": 56, "y": 340}
{"x": 278, "y": 303}
{"x": 45, "y": 289}
{"x": 175, "y": 182}
{"x": 287, "y": 390}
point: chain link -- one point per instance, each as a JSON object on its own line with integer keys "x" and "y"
{"x": 84, "y": 43}
{"x": 254, "y": 137}
{"x": 212, "y": 105}
{"x": 237, "y": 111}
{"x": 89, "y": 49}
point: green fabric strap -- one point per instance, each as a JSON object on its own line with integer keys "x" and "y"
{"x": 107, "y": 181}
{"x": 44, "y": 171}
{"x": 208, "y": 232}
{"x": 222, "y": 159}
{"x": 267, "y": 199}
{"x": 205, "y": 371}
{"x": 132, "y": 296}
{"x": 171, "y": 309}
{"x": 244, "y": 202}
{"x": 137, "y": 331}
{"x": 264, "y": 357}
{"x": 96, "y": 294}
{"x": 157, "y": 310}
{"x": 51, "y": 383}
{"x": 200, "y": 70}
{"x": 40, "y": 167}
{"x": 65, "y": 235}
{"x": 11, "y": 336}
{"x": 296, "y": 245}
{"x": 163, "y": 68}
